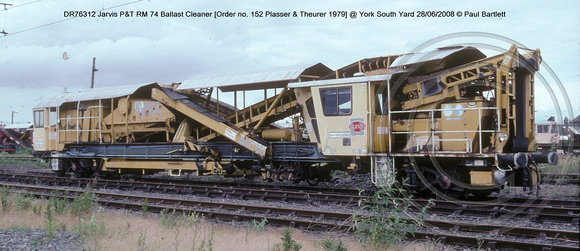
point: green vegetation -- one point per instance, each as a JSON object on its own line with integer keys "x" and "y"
{"x": 171, "y": 230}
{"x": 91, "y": 227}
{"x": 59, "y": 204}
{"x": 85, "y": 203}
{"x": 21, "y": 157}
{"x": 144, "y": 208}
{"x": 257, "y": 225}
{"x": 141, "y": 245}
{"x": 5, "y": 198}
{"x": 566, "y": 164}
{"x": 23, "y": 201}
{"x": 37, "y": 209}
{"x": 331, "y": 245}
{"x": 386, "y": 218}
{"x": 288, "y": 244}
{"x": 176, "y": 220}
{"x": 192, "y": 221}
{"x": 339, "y": 174}
{"x": 51, "y": 223}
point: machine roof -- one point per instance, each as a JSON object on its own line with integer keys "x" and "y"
{"x": 18, "y": 126}
{"x": 91, "y": 94}
{"x": 430, "y": 61}
{"x": 276, "y": 78}
{"x": 340, "y": 81}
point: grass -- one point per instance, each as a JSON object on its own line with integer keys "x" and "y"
{"x": 567, "y": 164}
{"x": 102, "y": 229}
{"x": 12, "y": 159}
{"x": 124, "y": 230}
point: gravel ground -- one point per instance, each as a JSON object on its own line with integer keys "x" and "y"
{"x": 37, "y": 239}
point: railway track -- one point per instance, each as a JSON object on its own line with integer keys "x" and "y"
{"x": 21, "y": 158}
{"x": 559, "y": 211}
{"x": 323, "y": 220}
{"x": 561, "y": 178}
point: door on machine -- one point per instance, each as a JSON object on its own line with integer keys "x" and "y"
{"x": 343, "y": 124}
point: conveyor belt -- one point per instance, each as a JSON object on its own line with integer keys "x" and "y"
{"x": 182, "y": 104}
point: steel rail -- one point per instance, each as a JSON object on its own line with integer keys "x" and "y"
{"x": 318, "y": 219}
{"x": 535, "y": 211}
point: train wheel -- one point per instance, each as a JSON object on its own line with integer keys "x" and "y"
{"x": 79, "y": 173}
{"x": 312, "y": 181}
{"x": 451, "y": 185}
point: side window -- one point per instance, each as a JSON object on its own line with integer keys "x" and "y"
{"x": 38, "y": 119}
{"x": 336, "y": 101}
{"x": 52, "y": 119}
{"x": 381, "y": 107}
{"x": 310, "y": 108}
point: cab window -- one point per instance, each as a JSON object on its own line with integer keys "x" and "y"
{"x": 38, "y": 119}
{"x": 336, "y": 101}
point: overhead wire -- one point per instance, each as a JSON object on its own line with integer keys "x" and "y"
{"x": 63, "y": 20}
{"x": 5, "y": 20}
{"x": 24, "y": 4}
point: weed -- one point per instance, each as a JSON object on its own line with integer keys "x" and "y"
{"x": 23, "y": 201}
{"x": 480, "y": 243}
{"x": 37, "y": 209}
{"x": 382, "y": 221}
{"x": 141, "y": 241}
{"x": 173, "y": 220}
{"x": 257, "y": 225}
{"x": 144, "y": 207}
{"x": 51, "y": 224}
{"x": 566, "y": 164}
{"x": 210, "y": 239}
{"x": 433, "y": 244}
{"x": 84, "y": 203}
{"x": 339, "y": 174}
{"x": 5, "y": 198}
{"x": 205, "y": 244}
{"x": 196, "y": 230}
{"x": 202, "y": 246}
{"x": 288, "y": 244}
{"x": 92, "y": 227}
{"x": 331, "y": 245}
{"x": 59, "y": 204}
{"x": 168, "y": 220}
{"x": 21, "y": 151}
{"x": 176, "y": 239}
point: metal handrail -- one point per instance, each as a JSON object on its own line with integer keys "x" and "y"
{"x": 77, "y": 129}
{"x": 432, "y": 132}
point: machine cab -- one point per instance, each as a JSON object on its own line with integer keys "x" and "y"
{"x": 347, "y": 117}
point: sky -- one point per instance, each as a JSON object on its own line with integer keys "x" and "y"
{"x": 50, "y": 45}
